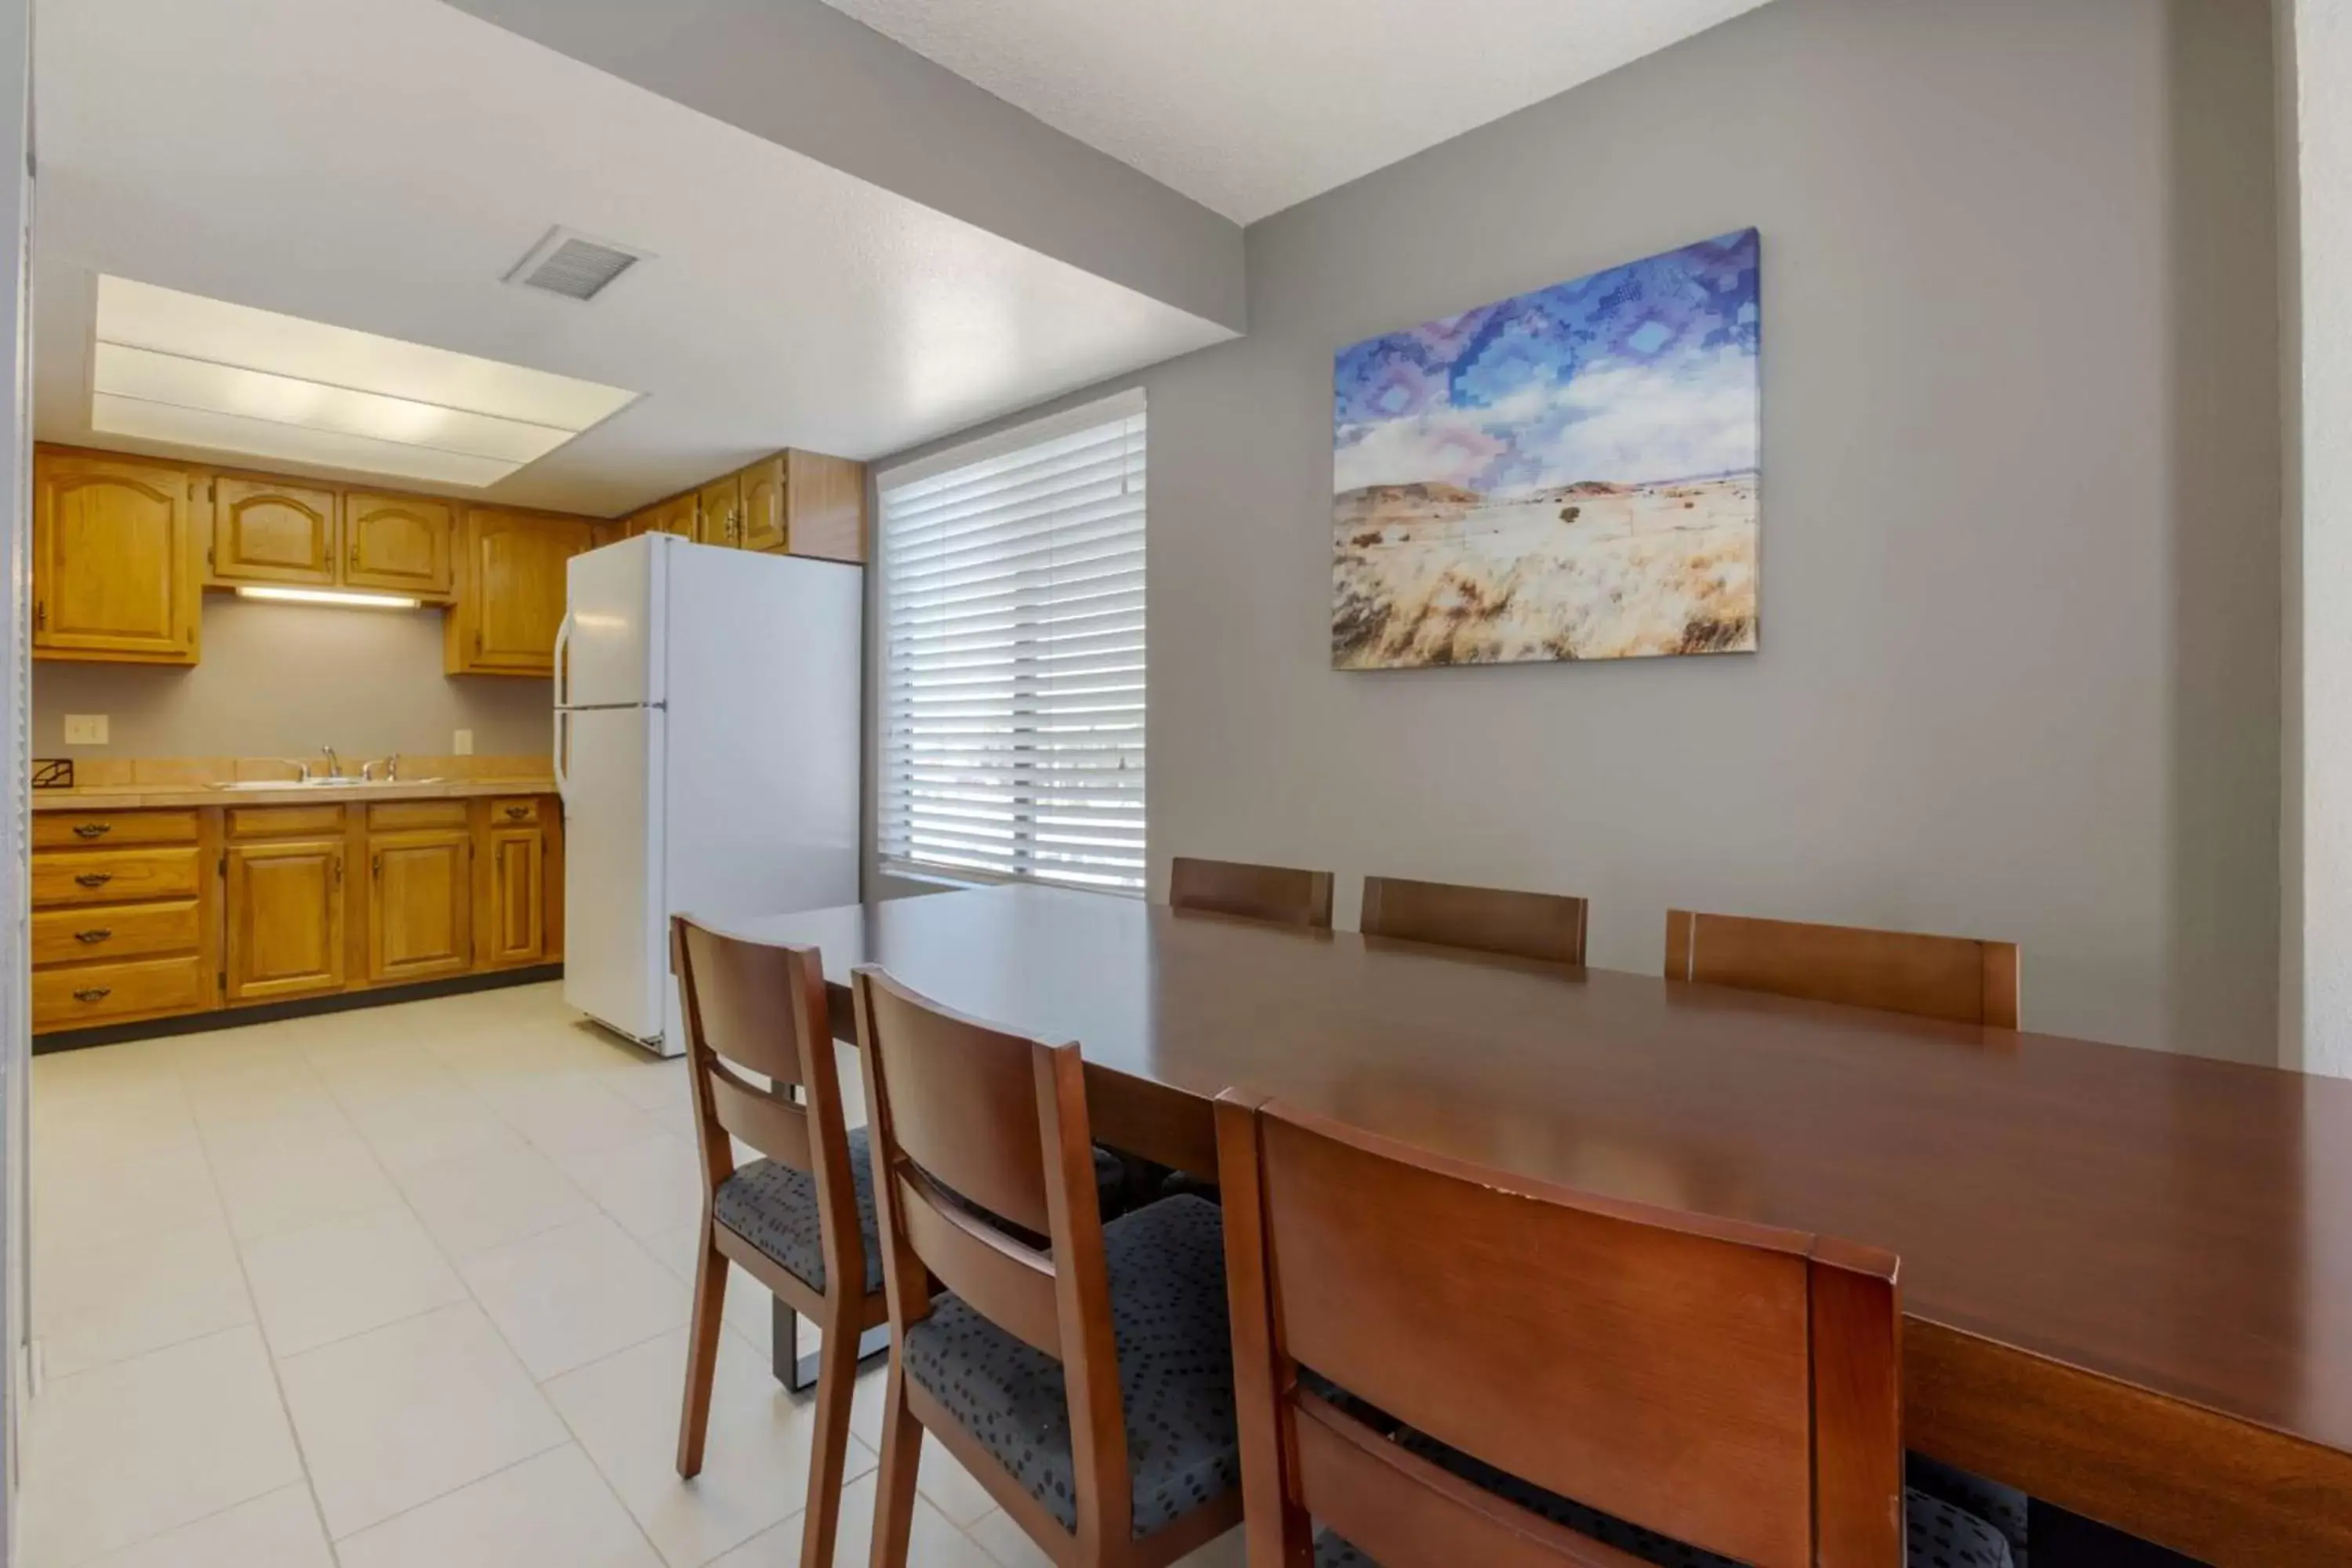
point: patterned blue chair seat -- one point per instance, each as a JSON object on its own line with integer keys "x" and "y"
{"x": 774, "y": 1207}
{"x": 2002, "y": 1507}
{"x": 1167, "y": 1269}
{"x": 1937, "y": 1534}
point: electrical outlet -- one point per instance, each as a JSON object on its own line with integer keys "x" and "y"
{"x": 85, "y": 729}
{"x": 461, "y": 743}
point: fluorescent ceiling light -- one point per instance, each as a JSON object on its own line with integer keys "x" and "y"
{"x": 331, "y": 597}
{"x": 181, "y": 368}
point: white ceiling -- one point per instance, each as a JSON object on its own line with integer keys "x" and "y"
{"x": 1249, "y": 106}
{"x": 381, "y": 164}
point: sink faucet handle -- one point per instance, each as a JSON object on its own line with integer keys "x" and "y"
{"x": 392, "y": 766}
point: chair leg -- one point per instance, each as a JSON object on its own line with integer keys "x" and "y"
{"x": 902, "y": 1452}
{"x": 837, "y": 1385}
{"x": 701, "y": 1354}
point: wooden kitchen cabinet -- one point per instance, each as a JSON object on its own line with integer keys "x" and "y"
{"x": 510, "y": 593}
{"x": 116, "y": 571}
{"x": 285, "y": 901}
{"x": 420, "y": 905}
{"x": 397, "y": 545}
{"x": 762, "y": 495}
{"x": 515, "y": 891}
{"x": 676, "y": 515}
{"x": 719, "y": 508}
{"x": 825, "y": 506}
{"x": 270, "y": 531}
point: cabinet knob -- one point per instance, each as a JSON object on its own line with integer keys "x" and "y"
{"x": 93, "y": 829}
{"x": 95, "y": 934}
{"x": 93, "y": 992}
{"x": 95, "y": 879}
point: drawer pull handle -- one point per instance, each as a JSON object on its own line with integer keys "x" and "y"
{"x": 517, "y": 813}
{"x": 93, "y": 829}
{"x": 95, "y": 934}
{"x": 93, "y": 992}
{"x": 95, "y": 879}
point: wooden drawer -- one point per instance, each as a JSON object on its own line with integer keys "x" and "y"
{"x": 283, "y": 821}
{"x": 520, "y": 808}
{"x": 113, "y": 876}
{"x": 396, "y": 815}
{"x": 105, "y": 829}
{"x": 114, "y": 931}
{"x": 89, "y": 994}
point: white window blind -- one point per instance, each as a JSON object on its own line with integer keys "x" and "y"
{"x": 1013, "y": 655}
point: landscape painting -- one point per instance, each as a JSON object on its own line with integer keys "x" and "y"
{"x": 1572, "y": 474}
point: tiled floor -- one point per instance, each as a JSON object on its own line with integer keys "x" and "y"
{"x": 407, "y": 1286}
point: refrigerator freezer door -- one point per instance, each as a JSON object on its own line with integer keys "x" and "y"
{"x": 614, "y": 909}
{"x": 615, "y": 635}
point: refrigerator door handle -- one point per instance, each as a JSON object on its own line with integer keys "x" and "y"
{"x": 563, "y": 739}
{"x": 562, "y": 670}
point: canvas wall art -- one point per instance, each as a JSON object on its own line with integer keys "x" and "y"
{"x": 1570, "y": 474}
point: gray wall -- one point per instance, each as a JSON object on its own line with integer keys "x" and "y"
{"x": 281, "y": 680}
{"x": 2020, "y": 660}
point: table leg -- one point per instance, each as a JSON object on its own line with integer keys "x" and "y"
{"x": 798, "y": 1372}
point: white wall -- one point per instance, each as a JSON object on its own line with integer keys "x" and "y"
{"x": 2020, "y": 674}
{"x": 2316, "y": 186}
{"x": 16, "y": 599}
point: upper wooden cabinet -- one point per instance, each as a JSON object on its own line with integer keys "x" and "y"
{"x": 720, "y": 504}
{"x": 676, "y": 515}
{"x": 271, "y": 530}
{"x": 510, "y": 593}
{"x": 825, "y": 512}
{"x": 400, "y": 545}
{"x": 762, "y": 488}
{"x": 116, "y": 571}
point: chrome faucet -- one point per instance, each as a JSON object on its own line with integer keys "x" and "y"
{"x": 334, "y": 764}
{"x": 390, "y": 764}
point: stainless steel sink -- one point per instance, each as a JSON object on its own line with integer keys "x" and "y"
{"x": 345, "y": 783}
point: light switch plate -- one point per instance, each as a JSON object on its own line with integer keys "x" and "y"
{"x": 462, "y": 743}
{"x": 85, "y": 729}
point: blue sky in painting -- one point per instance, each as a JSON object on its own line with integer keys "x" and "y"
{"x": 1643, "y": 373}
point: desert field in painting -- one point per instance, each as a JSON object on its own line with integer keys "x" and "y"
{"x": 1433, "y": 573}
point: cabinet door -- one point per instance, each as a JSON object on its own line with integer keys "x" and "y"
{"x": 826, "y": 506}
{"x": 512, "y": 601}
{"x": 517, "y": 930}
{"x": 285, "y": 919}
{"x": 721, "y": 520}
{"x": 420, "y": 905}
{"x": 762, "y": 497}
{"x": 269, "y": 532}
{"x": 676, "y": 515}
{"x": 114, "y": 567}
{"x": 397, "y": 544}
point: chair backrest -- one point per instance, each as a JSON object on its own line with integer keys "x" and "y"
{"x": 1548, "y": 926}
{"x": 1273, "y": 893}
{"x": 762, "y": 1007}
{"x": 1953, "y": 978}
{"x": 975, "y": 1131}
{"x": 1730, "y": 1385}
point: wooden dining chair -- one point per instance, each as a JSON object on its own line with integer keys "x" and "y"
{"x": 1081, "y": 1371}
{"x": 801, "y": 1220}
{"x": 1272, "y": 893}
{"x": 1442, "y": 1364}
{"x": 1548, "y": 926}
{"x": 1953, "y": 978}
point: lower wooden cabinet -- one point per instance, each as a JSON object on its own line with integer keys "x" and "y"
{"x": 420, "y": 905}
{"x": 150, "y": 913}
{"x": 284, "y": 903}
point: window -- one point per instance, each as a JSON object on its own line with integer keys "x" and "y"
{"x": 1013, "y": 674}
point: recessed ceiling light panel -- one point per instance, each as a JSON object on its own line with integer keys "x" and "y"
{"x": 169, "y": 366}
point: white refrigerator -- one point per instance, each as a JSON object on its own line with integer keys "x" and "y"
{"x": 707, "y": 748}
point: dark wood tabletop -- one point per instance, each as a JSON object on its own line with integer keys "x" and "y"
{"x": 2127, "y": 1274}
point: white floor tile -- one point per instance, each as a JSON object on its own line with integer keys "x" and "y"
{"x": 343, "y": 1277}
{"x": 404, "y": 1413}
{"x": 649, "y": 1184}
{"x": 552, "y": 1511}
{"x": 932, "y": 1544}
{"x": 1006, "y": 1544}
{"x": 625, "y": 1411}
{"x": 120, "y": 1299}
{"x": 570, "y": 1296}
{"x": 153, "y": 1190}
{"x": 129, "y": 1450}
{"x": 422, "y": 1125}
{"x": 273, "y": 1180}
{"x": 570, "y": 1111}
{"x": 480, "y": 1201}
{"x": 280, "y": 1529}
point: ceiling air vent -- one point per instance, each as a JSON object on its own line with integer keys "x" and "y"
{"x": 574, "y": 265}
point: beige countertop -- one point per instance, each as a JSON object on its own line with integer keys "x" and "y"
{"x": 125, "y": 797}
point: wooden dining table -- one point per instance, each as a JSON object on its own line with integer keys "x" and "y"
{"x": 2127, "y": 1274}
